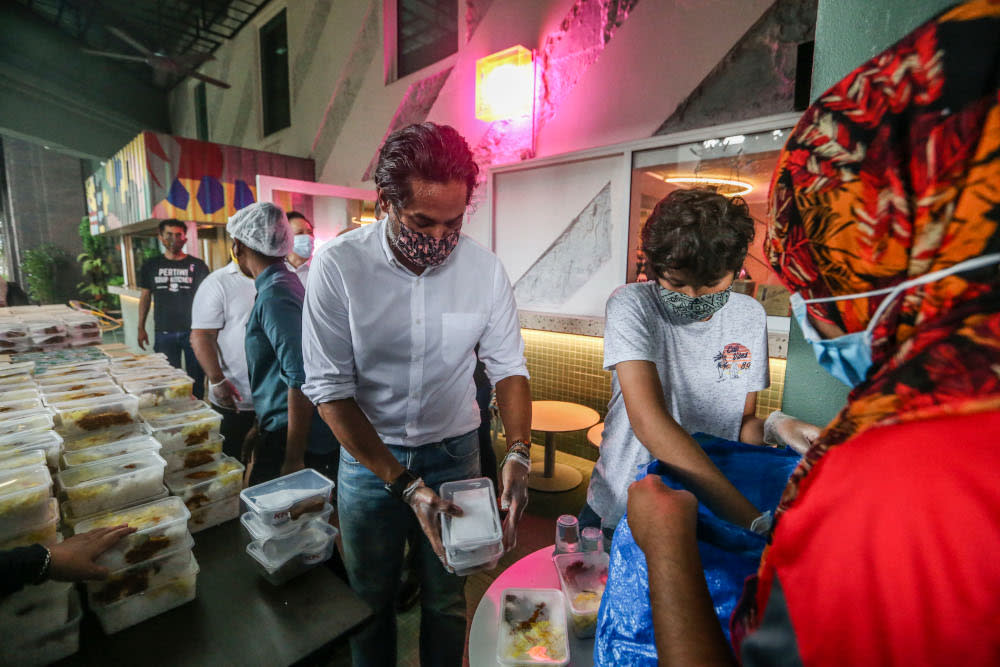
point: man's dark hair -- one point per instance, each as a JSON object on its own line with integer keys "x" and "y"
{"x": 171, "y": 222}
{"x": 436, "y": 153}
{"x": 295, "y": 215}
{"x": 699, "y": 232}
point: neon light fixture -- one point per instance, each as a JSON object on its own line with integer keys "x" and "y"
{"x": 505, "y": 84}
{"x": 744, "y": 188}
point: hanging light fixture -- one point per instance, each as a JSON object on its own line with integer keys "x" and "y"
{"x": 505, "y": 84}
{"x": 741, "y": 187}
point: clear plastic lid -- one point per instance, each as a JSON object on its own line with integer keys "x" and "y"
{"x": 583, "y": 577}
{"x": 146, "y": 373}
{"x": 127, "y": 446}
{"x": 18, "y": 486}
{"x": 43, "y": 533}
{"x": 28, "y": 392}
{"x": 43, "y": 325}
{"x": 187, "y": 429}
{"x": 107, "y": 436}
{"x": 99, "y": 472}
{"x": 96, "y": 414}
{"x": 142, "y": 576}
{"x": 102, "y": 384}
{"x": 144, "y": 518}
{"x": 71, "y": 520}
{"x": 133, "y": 359}
{"x": 170, "y": 409}
{"x": 76, "y": 377}
{"x": 194, "y": 456}
{"x": 91, "y": 392}
{"x": 479, "y": 524}
{"x": 48, "y": 442}
{"x": 9, "y": 406}
{"x": 26, "y": 421}
{"x": 258, "y": 530}
{"x": 286, "y": 498}
{"x": 15, "y": 379}
{"x": 314, "y": 538}
{"x": 532, "y": 628}
{"x": 158, "y": 391}
{"x": 208, "y": 483}
{"x": 17, "y": 368}
{"x": 21, "y": 459}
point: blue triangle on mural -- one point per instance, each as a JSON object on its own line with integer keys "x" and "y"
{"x": 178, "y": 196}
{"x": 211, "y": 195}
{"x": 242, "y": 195}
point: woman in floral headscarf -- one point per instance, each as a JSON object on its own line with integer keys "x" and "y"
{"x": 885, "y": 214}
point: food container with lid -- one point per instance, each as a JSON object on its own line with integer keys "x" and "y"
{"x": 48, "y": 442}
{"x": 143, "y": 576}
{"x": 155, "y": 392}
{"x": 98, "y": 383}
{"x": 17, "y": 368}
{"x": 43, "y": 325}
{"x": 24, "y": 496}
{"x": 286, "y": 498}
{"x": 186, "y": 429}
{"x": 255, "y": 529}
{"x": 473, "y": 541}
{"x": 12, "y": 331}
{"x": 532, "y": 628}
{"x": 582, "y": 577}
{"x": 80, "y": 457}
{"x": 34, "y": 610}
{"x": 71, "y": 520}
{"x": 170, "y": 409}
{"x": 107, "y": 436}
{"x": 136, "y": 608}
{"x": 21, "y": 459}
{"x": 115, "y": 482}
{"x": 215, "y": 513}
{"x": 318, "y": 540}
{"x": 144, "y": 374}
{"x": 83, "y": 417}
{"x": 160, "y": 526}
{"x": 76, "y": 377}
{"x": 48, "y": 647}
{"x": 195, "y": 455}
{"x": 18, "y": 405}
{"x": 208, "y": 483}
{"x": 22, "y": 394}
{"x": 44, "y": 533}
{"x": 15, "y": 379}
{"x": 25, "y": 421}
{"x": 132, "y": 360}
{"x": 57, "y": 399}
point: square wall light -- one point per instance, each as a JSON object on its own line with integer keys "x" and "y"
{"x": 505, "y": 84}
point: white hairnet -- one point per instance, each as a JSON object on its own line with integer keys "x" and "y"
{"x": 262, "y": 227}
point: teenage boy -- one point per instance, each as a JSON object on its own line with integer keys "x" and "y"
{"x": 687, "y": 354}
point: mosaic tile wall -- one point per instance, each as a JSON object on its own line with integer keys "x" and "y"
{"x": 568, "y": 367}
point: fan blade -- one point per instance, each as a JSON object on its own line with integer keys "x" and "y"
{"x": 208, "y": 79}
{"x": 192, "y": 60}
{"x": 115, "y": 56}
{"x": 128, "y": 39}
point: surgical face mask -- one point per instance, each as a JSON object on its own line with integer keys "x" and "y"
{"x": 694, "y": 308}
{"x": 849, "y": 357}
{"x": 303, "y": 245}
{"x": 421, "y": 249}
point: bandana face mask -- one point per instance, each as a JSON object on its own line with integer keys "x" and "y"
{"x": 694, "y": 308}
{"x": 421, "y": 249}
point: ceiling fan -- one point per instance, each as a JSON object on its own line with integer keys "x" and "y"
{"x": 163, "y": 65}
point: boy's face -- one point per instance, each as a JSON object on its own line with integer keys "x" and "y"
{"x": 677, "y": 280}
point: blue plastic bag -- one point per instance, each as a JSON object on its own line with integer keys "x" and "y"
{"x": 729, "y": 554}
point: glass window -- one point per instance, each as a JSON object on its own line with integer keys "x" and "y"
{"x": 426, "y": 32}
{"x": 274, "y": 88}
{"x": 201, "y": 111}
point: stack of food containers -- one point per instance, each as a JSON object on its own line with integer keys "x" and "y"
{"x": 83, "y": 329}
{"x": 287, "y": 523}
{"x": 38, "y": 330}
{"x": 582, "y": 577}
{"x": 151, "y": 571}
{"x": 210, "y": 491}
{"x": 532, "y": 628}
{"x": 473, "y": 541}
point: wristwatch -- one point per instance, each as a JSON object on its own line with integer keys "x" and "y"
{"x": 396, "y": 487}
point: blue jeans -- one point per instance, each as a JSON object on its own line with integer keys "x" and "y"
{"x": 374, "y": 527}
{"x": 173, "y": 344}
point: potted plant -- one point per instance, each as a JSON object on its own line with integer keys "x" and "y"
{"x": 98, "y": 267}
{"x": 41, "y": 267}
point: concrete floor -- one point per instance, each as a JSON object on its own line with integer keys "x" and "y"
{"x": 537, "y": 530}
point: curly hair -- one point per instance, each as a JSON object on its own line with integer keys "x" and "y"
{"x": 432, "y": 152}
{"x": 697, "y": 231}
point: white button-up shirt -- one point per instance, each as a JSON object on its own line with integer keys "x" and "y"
{"x": 402, "y": 345}
{"x": 301, "y": 271}
{"x": 224, "y": 301}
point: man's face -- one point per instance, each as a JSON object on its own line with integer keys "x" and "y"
{"x": 173, "y": 238}
{"x": 301, "y": 226}
{"x": 436, "y": 209}
{"x": 680, "y": 281}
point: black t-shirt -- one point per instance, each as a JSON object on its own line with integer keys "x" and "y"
{"x": 173, "y": 284}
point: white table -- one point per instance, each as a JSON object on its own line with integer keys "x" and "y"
{"x": 533, "y": 571}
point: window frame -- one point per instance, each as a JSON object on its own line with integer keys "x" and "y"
{"x": 261, "y": 24}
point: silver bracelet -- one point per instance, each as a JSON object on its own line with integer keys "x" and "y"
{"x": 43, "y": 574}
{"x": 516, "y": 456}
{"x": 411, "y": 489}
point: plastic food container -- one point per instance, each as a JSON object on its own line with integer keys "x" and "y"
{"x": 145, "y": 373}
{"x": 132, "y": 360}
{"x": 22, "y": 394}
{"x": 8, "y": 406}
{"x": 14, "y": 379}
{"x": 169, "y": 409}
{"x": 186, "y": 429}
{"x": 215, "y": 513}
{"x": 16, "y": 368}
{"x": 582, "y": 577}
{"x": 143, "y": 576}
{"x": 285, "y": 499}
{"x": 158, "y": 391}
{"x": 137, "y": 608}
{"x": 85, "y": 417}
{"x": 24, "y": 499}
{"x": 45, "y": 533}
{"x": 532, "y": 628}
{"x": 473, "y": 541}
{"x": 195, "y": 455}
{"x": 80, "y": 457}
{"x": 279, "y": 548}
{"x": 207, "y": 484}
{"x": 256, "y": 529}
{"x": 70, "y": 520}
{"x": 15, "y": 423}
{"x": 21, "y": 459}
{"x": 81, "y": 377}
{"x": 106, "y": 437}
{"x": 48, "y": 442}
{"x": 45, "y": 325}
{"x": 50, "y": 646}
{"x": 34, "y": 610}
{"x": 91, "y": 392}
{"x": 114, "y": 482}
{"x": 160, "y": 526}
{"x": 316, "y": 546}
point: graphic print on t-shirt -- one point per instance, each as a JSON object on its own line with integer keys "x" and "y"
{"x": 174, "y": 278}
{"x": 733, "y": 360}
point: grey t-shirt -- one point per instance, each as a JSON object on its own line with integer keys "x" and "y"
{"x": 706, "y": 370}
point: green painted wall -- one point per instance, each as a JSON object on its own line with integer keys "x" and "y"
{"x": 848, "y": 32}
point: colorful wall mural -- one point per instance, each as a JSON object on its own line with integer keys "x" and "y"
{"x": 158, "y": 176}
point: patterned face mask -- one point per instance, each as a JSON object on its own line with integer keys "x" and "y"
{"x": 421, "y": 249}
{"x": 694, "y": 308}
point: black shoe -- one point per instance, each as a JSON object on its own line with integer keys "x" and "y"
{"x": 409, "y": 593}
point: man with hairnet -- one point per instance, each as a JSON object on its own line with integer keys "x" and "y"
{"x": 262, "y": 238}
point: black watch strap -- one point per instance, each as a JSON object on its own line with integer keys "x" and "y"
{"x": 396, "y": 487}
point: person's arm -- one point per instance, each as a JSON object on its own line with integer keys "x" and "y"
{"x": 514, "y": 401}
{"x": 300, "y": 413}
{"x": 142, "y": 338}
{"x": 222, "y": 392}
{"x": 663, "y": 523}
{"x": 660, "y": 433}
{"x": 752, "y": 427}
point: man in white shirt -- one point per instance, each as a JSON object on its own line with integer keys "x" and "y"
{"x": 219, "y": 316}
{"x": 300, "y": 257}
{"x": 392, "y": 316}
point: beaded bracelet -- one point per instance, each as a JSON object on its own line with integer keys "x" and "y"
{"x": 43, "y": 574}
{"x": 516, "y": 456}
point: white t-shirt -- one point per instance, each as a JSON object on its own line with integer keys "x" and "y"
{"x": 706, "y": 370}
{"x": 301, "y": 271}
{"x": 224, "y": 301}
